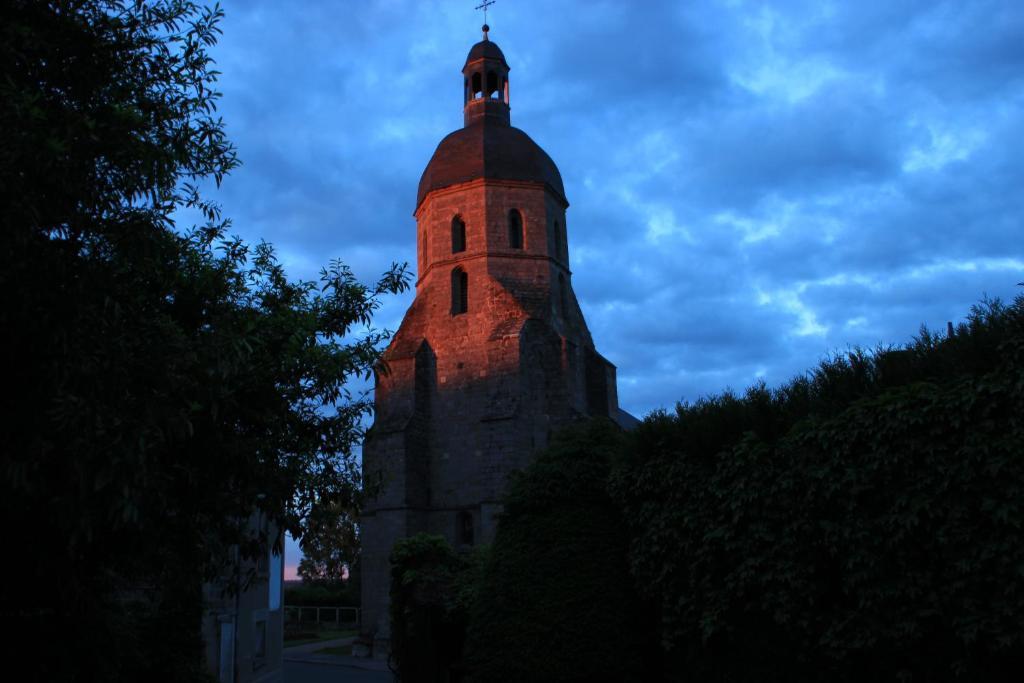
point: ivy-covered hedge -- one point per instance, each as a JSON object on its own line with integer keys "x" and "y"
{"x": 864, "y": 522}
{"x": 555, "y": 601}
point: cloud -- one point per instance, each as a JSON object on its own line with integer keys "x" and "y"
{"x": 752, "y": 185}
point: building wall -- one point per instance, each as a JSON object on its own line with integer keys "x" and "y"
{"x": 469, "y": 398}
{"x": 246, "y": 633}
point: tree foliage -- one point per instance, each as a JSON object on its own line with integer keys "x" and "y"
{"x": 862, "y": 522}
{"x": 163, "y": 382}
{"x": 330, "y": 544}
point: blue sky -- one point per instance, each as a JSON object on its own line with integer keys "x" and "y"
{"x": 752, "y": 185}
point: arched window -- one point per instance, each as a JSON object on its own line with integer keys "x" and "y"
{"x": 557, "y": 241}
{"x": 563, "y": 295}
{"x": 460, "y": 291}
{"x": 515, "y": 229}
{"x": 458, "y": 235}
{"x": 493, "y": 87}
{"x": 478, "y": 88}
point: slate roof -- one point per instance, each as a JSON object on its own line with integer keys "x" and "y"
{"x": 485, "y": 49}
{"x": 488, "y": 150}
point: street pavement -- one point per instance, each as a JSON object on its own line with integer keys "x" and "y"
{"x": 302, "y": 664}
{"x": 296, "y": 671}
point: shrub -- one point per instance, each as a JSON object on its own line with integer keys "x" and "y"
{"x": 861, "y": 522}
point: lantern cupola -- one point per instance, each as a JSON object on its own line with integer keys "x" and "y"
{"x": 485, "y": 84}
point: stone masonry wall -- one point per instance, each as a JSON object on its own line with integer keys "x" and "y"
{"x": 469, "y": 398}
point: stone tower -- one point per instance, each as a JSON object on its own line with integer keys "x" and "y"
{"x": 493, "y": 354}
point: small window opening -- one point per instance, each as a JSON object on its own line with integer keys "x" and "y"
{"x": 478, "y": 88}
{"x": 460, "y": 291}
{"x": 465, "y": 90}
{"x": 515, "y": 229}
{"x": 465, "y": 530}
{"x": 493, "y": 87}
{"x": 458, "y": 235}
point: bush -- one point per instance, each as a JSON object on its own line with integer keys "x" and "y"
{"x": 862, "y": 522}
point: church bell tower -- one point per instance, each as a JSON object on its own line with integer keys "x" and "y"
{"x": 493, "y": 355}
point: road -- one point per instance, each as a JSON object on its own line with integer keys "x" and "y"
{"x": 324, "y": 672}
{"x": 308, "y": 664}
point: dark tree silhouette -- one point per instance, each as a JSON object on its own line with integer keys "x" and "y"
{"x": 162, "y": 383}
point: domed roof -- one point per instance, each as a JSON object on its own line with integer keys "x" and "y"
{"x": 485, "y": 49}
{"x": 484, "y": 150}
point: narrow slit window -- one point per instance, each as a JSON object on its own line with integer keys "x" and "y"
{"x": 460, "y": 291}
{"x": 515, "y": 229}
{"x": 458, "y": 235}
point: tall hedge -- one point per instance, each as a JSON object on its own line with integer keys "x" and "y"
{"x": 860, "y": 523}
{"x": 555, "y": 601}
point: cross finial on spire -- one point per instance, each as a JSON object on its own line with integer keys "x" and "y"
{"x": 484, "y": 5}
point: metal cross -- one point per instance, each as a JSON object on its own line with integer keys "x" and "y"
{"x": 484, "y": 5}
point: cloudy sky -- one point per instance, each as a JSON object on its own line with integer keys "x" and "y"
{"x": 752, "y": 185}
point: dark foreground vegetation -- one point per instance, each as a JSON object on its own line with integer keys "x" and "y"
{"x": 861, "y": 523}
{"x": 165, "y": 384}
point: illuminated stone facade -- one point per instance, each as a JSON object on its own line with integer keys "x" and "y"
{"x": 493, "y": 355}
